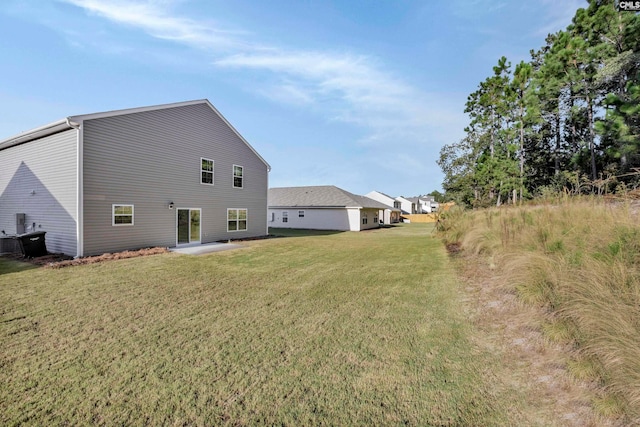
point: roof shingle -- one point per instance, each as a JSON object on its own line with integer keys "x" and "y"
{"x": 325, "y": 196}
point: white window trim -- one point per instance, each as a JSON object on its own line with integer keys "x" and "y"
{"x": 113, "y": 215}
{"x": 237, "y": 220}
{"x": 233, "y": 176}
{"x": 213, "y": 167}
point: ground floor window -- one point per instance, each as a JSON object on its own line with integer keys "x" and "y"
{"x": 236, "y": 219}
{"x": 122, "y": 215}
{"x": 300, "y": 214}
{"x": 365, "y": 220}
{"x": 285, "y": 216}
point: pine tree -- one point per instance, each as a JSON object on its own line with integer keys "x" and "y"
{"x": 520, "y": 88}
{"x": 573, "y": 111}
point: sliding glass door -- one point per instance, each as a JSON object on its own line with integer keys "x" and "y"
{"x": 188, "y": 224}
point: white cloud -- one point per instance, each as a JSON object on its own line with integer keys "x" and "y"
{"x": 369, "y": 97}
{"x": 156, "y": 18}
{"x": 348, "y": 87}
{"x": 342, "y": 86}
{"x": 288, "y": 93}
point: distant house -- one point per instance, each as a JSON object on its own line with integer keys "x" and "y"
{"x": 164, "y": 175}
{"x": 424, "y": 204}
{"x": 407, "y": 206}
{"x": 391, "y": 214}
{"x": 324, "y": 207}
{"x": 430, "y": 203}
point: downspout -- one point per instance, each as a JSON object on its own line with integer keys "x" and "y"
{"x": 79, "y": 189}
{"x": 266, "y": 231}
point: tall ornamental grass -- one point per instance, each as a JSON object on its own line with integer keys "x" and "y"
{"x": 579, "y": 259}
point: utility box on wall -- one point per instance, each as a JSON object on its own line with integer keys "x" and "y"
{"x": 20, "y": 223}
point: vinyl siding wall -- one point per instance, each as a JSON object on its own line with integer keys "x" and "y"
{"x": 406, "y": 205}
{"x": 38, "y": 179}
{"x": 150, "y": 159}
{"x": 373, "y": 218}
{"x": 345, "y": 219}
{"x": 380, "y": 198}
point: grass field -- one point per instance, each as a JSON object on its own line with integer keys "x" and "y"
{"x": 332, "y": 329}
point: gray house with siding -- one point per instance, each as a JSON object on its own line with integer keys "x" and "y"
{"x": 164, "y": 175}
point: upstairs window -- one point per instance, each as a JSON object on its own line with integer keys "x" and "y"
{"x": 206, "y": 171}
{"x": 122, "y": 215}
{"x": 238, "y": 176}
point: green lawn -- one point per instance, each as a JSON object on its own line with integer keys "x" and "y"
{"x": 333, "y": 329}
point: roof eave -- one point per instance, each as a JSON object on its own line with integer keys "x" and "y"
{"x": 39, "y": 132}
{"x": 309, "y": 207}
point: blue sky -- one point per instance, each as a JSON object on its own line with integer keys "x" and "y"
{"x": 354, "y": 93}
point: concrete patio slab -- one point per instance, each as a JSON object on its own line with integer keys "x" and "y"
{"x": 205, "y": 248}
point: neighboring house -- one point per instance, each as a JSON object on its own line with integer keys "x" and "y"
{"x": 164, "y": 175}
{"x": 391, "y": 214}
{"x": 407, "y": 206}
{"x": 324, "y": 207}
{"x": 424, "y": 204}
{"x": 430, "y": 203}
{"x": 416, "y": 204}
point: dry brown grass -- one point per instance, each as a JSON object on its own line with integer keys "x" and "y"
{"x": 578, "y": 263}
{"x": 532, "y": 368}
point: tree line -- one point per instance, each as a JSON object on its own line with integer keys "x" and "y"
{"x": 567, "y": 120}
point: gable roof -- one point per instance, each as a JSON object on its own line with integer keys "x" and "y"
{"x": 382, "y": 194}
{"x": 322, "y": 196}
{"x": 73, "y": 122}
{"x": 421, "y": 198}
{"x": 401, "y": 198}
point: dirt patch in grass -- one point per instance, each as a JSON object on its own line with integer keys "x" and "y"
{"x": 454, "y": 248}
{"x": 55, "y": 260}
{"x": 531, "y": 362}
